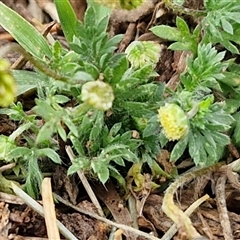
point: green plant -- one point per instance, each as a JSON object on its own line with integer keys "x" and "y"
{"x": 218, "y": 23}
{"x": 207, "y": 76}
{"x": 102, "y": 123}
{"x": 118, "y": 112}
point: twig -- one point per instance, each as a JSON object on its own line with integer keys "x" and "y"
{"x": 15, "y": 236}
{"x": 9, "y": 198}
{"x": 127, "y": 37}
{"x": 39, "y": 209}
{"x": 233, "y": 150}
{"x": 221, "y": 205}
{"x": 7, "y": 167}
{"x": 173, "y": 229}
{"x": 6, "y": 36}
{"x": 117, "y": 225}
{"x": 85, "y": 183}
{"x": 206, "y": 228}
{"x": 172, "y": 211}
{"x": 49, "y": 210}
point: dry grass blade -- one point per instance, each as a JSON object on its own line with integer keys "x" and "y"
{"x": 49, "y": 210}
{"x": 9, "y": 198}
{"x": 86, "y": 184}
{"x": 49, "y": 7}
{"x": 39, "y": 209}
{"x": 170, "y": 233}
{"x": 180, "y": 218}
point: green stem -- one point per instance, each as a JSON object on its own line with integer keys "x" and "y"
{"x": 13, "y": 47}
{"x": 193, "y": 111}
{"x": 20, "y": 130}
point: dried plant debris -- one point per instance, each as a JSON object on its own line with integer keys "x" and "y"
{"x": 85, "y": 227}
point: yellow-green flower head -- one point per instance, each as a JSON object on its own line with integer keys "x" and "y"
{"x": 174, "y": 121}
{"x": 7, "y": 84}
{"x": 98, "y": 95}
{"x": 124, "y": 4}
{"x": 141, "y": 53}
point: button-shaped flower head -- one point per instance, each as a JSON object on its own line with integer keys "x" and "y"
{"x": 7, "y": 84}
{"x": 97, "y": 94}
{"x": 174, "y": 121}
{"x": 141, "y": 53}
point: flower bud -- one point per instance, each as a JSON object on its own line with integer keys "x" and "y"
{"x": 174, "y": 121}
{"x": 141, "y": 53}
{"x": 7, "y": 85}
{"x": 97, "y": 94}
